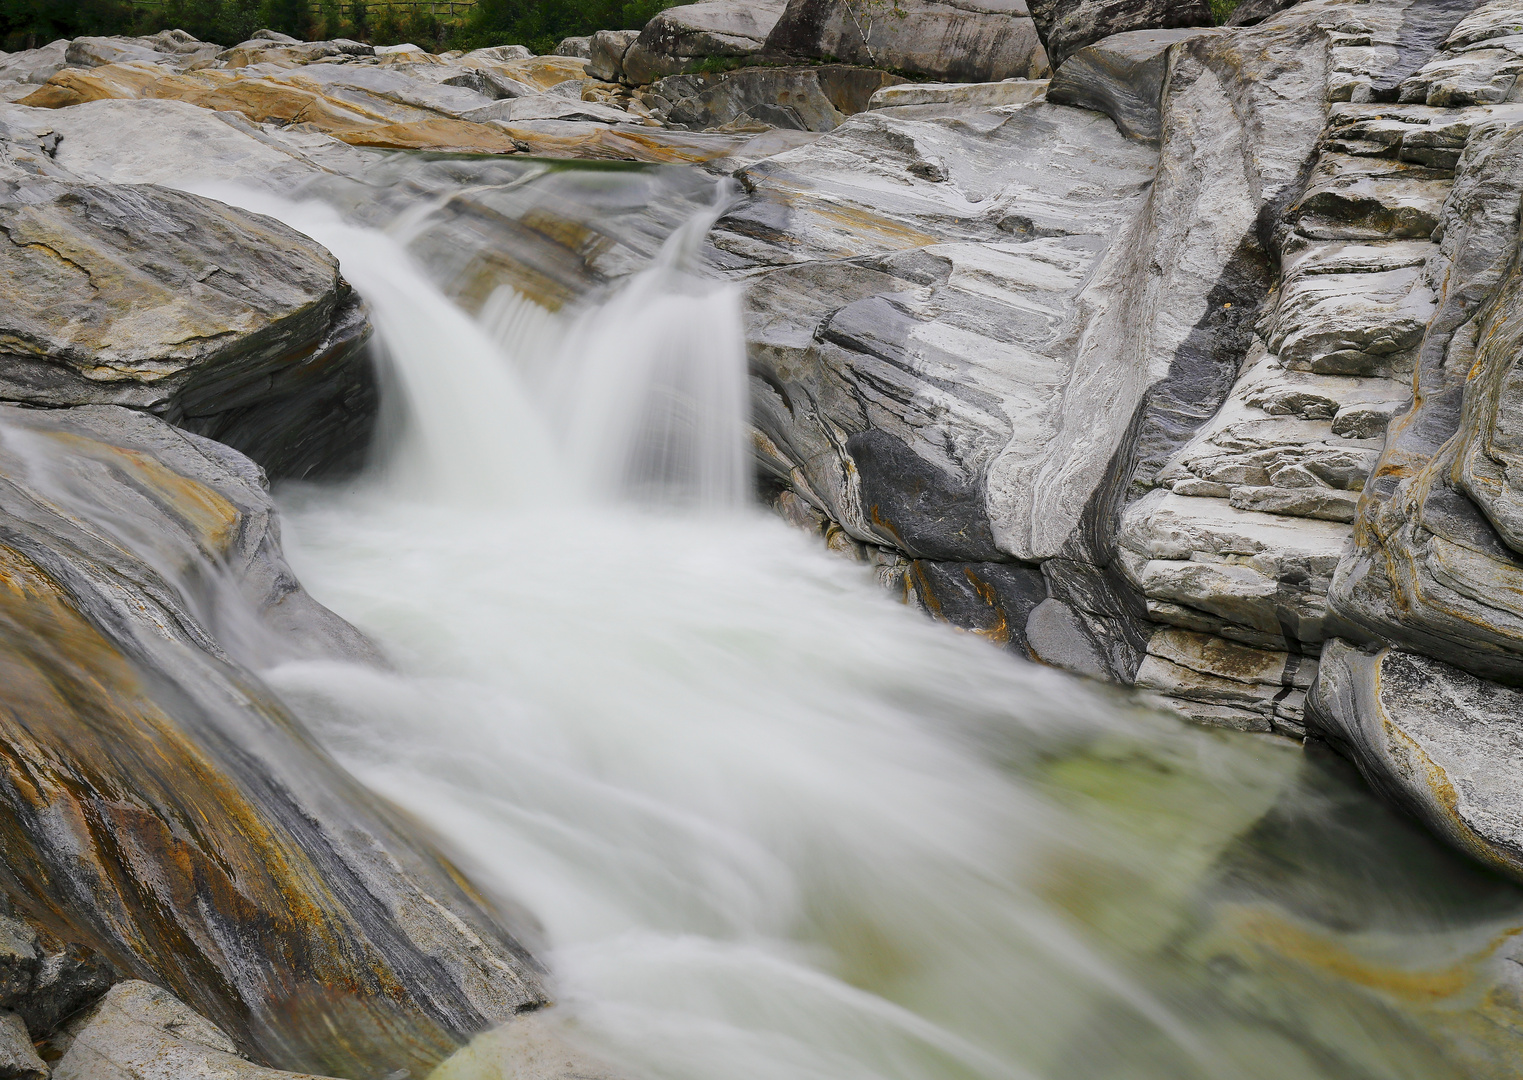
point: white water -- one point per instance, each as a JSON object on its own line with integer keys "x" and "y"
{"x": 769, "y": 820}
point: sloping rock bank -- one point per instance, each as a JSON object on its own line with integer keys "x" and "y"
{"x": 1197, "y": 375}
{"x": 163, "y": 810}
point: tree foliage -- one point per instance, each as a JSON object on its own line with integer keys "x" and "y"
{"x": 539, "y": 24}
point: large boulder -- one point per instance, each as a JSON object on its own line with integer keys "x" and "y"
{"x": 1066, "y": 26}
{"x": 160, "y": 806}
{"x": 815, "y": 98}
{"x": 680, "y": 37}
{"x": 956, "y": 40}
{"x": 225, "y": 323}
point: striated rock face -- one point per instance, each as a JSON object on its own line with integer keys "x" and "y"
{"x": 1066, "y": 26}
{"x": 815, "y": 98}
{"x": 163, "y": 810}
{"x": 1122, "y": 76}
{"x": 957, "y": 40}
{"x": 678, "y": 37}
{"x": 230, "y": 325}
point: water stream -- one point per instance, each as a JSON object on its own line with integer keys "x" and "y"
{"x": 776, "y": 826}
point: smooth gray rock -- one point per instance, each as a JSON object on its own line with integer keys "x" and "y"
{"x": 679, "y": 37}
{"x": 228, "y": 324}
{"x": 141, "y": 1032}
{"x": 18, "y": 1057}
{"x": 816, "y": 98}
{"x": 35, "y": 65}
{"x": 1121, "y": 76}
{"x": 1433, "y": 738}
{"x": 575, "y": 46}
{"x": 1250, "y": 12}
{"x": 955, "y": 40}
{"x": 1066, "y": 26}
{"x": 606, "y": 51}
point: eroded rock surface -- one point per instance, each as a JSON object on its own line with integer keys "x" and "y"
{"x": 162, "y": 808}
{"x": 228, "y": 324}
{"x": 956, "y": 40}
{"x": 1066, "y": 26}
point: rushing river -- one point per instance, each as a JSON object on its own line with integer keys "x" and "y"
{"x": 776, "y": 826}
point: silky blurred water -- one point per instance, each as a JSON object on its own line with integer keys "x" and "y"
{"x": 776, "y": 826}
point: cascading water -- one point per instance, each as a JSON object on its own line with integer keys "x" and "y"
{"x": 775, "y": 826}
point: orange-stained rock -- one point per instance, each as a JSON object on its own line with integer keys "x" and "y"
{"x": 159, "y": 806}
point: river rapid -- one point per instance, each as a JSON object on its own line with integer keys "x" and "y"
{"x": 772, "y": 824}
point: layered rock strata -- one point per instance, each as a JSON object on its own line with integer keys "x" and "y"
{"x": 229, "y": 325}
{"x": 162, "y": 808}
{"x": 1066, "y": 26}
{"x": 955, "y": 40}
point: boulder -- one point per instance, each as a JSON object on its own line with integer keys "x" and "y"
{"x": 35, "y": 65}
{"x": 44, "y": 980}
{"x": 606, "y": 54}
{"x": 141, "y": 1032}
{"x": 1066, "y": 26}
{"x": 1433, "y": 738}
{"x": 1123, "y": 77}
{"x": 575, "y": 46}
{"x": 228, "y": 324}
{"x": 955, "y": 40}
{"x": 164, "y": 810}
{"x": 800, "y": 98}
{"x": 18, "y": 1057}
{"x": 678, "y": 38}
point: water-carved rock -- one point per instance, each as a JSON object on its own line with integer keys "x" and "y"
{"x": 228, "y": 324}
{"x": 1066, "y": 26}
{"x": 164, "y": 810}
{"x": 956, "y": 40}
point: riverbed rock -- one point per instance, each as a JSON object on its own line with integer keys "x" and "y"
{"x": 141, "y": 1032}
{"x": 1435, "y": 739}
{"x": 678, "y": 38}
{"x": 35, "y": 65}
{"x": 814, "y": 98}
{"x": 1066, "y": 26}
{"x": 1122, "y": 76}
{"x": 955, "y": 40}
{"x": 228, "y": 324}
{"x": 605, "y": 54}
{"x": 164, "y": 810}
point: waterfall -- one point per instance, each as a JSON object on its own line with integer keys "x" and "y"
{"x": 775, "y": 826}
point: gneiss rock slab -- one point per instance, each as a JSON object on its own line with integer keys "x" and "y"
{"x": 956, "y": 40}
{"x": 679, "y": 37}
{"x": 813, "y": 98}
{"x": 1122, "y": 76}
{"x": 163, "y": 809}
{"x": 1066, "y": 26}
{"x": 227, "y": 323}
{"x": 1436, "y": 739}
{"x": 139, "y": 1031}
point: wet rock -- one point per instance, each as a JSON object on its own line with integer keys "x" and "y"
{"x": 1121, "y": 76}
{"x": 162, "y": 808}
{"x": 18, "y": 1057}
{"x": 955, "y": 40}
{"x": 1066, "y": 26}
{"x": 800, "y": 98}
{"x": 140, "y": 1032}
{"x": 679, "y": 37}
{"x": 1435, "y": 739}
{"x": 228, "y": 324}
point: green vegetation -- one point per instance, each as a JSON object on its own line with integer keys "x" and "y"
{"x": 539, "y": 24}
{"x": 1221, "y": 10}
